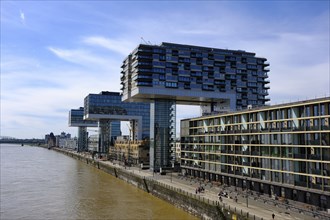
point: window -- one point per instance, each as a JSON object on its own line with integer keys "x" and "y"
{"x": 171, "y": 84}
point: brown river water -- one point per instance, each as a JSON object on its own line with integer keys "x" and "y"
{"x": 37, "y": 183}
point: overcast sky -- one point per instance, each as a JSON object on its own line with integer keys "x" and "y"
{"x": 54, "y": 53}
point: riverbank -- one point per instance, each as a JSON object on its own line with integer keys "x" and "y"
{"x": 194, "y": 204}
{"x": 180, "y": 191}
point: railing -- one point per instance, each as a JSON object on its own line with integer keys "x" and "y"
{"x": 227, "y": 210}
{"x": 314, "y": 157}
{"x": 300, "y": 156}
{"x": 300, "y": 183}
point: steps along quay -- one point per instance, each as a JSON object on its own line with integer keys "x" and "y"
{"x": 181, "y": 192}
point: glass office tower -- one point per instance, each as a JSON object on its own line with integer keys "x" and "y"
{"x": 76, "y": 119}
{"x": 108, "y": 109}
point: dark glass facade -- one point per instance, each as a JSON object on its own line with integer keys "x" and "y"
{"x": 110, "y": 105}
{"x": 76, "y": 119}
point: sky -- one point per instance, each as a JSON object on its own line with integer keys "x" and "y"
{"x": 55, "y": 53}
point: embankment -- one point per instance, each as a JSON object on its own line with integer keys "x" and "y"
{"x": 194, "y": 204}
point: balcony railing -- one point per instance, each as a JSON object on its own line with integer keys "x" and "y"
{"x": 314, "y": 157}
{"x": 300, "y": 156}
{"x": 247, "y": 152}
{"x": 316, "y": 186}
{"x": 316, "y": 171}
{"x": 300, "y": 183}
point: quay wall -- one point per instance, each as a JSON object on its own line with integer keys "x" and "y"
{"x": 191, "y": 203}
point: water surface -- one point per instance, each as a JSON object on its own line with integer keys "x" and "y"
{"x": 37, "y": 183}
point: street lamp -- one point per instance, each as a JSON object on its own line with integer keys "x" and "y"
{"x": 172, "y": 170}
{"x": 247, "y": 199}
{"x": 129, "y": 146}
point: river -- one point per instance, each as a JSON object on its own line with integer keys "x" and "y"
{"x": 37, "y": 183}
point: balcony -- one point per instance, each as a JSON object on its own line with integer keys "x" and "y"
{"x": 316, "y": 171}
{"x": 300, "y": 183}
{"x": 246, "y": 163}
{"x": 247, "y": 152}
{"x": 257, "y": 153}
{"x": 314, "y": 157}
{"x": 299, "y": 156}
{"x": 323, "y": 127}
{"x": 316, "y": 186}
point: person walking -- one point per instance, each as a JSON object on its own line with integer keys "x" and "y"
{"x": 273, "y": 216}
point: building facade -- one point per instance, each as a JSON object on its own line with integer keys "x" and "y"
{"x": 93, "y": 143}
{"x": 130, "y": 152}
{"x": 189, "y": 74}
{"x": 168, "y": 74}
{"x": 108, "y": 109}
{"x": 76, "y": 119}
{"x": 281, "y": 150}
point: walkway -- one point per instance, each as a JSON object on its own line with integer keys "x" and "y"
{"x": 256, "y": 205}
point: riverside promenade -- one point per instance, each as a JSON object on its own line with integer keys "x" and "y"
{"x": 252, "y": 206}
{"x": 256, "y": 210}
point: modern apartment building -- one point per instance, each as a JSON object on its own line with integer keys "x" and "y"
{"x": 193, "y": 74}
{"x": 168, "y": 74}
{"x": 281, "y": 150}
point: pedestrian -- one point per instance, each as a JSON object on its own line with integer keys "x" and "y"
{"x": 273, "y": 216}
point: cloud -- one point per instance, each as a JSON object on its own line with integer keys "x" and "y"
{"x": 85, "y": 49}
{"x": 119, "y": 46}
{"x": 22, "y": 16}
{"x": 79, "y": 56}
{"x": 31, "y": 87}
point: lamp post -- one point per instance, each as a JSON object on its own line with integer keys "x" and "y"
{"x": 247, "y": 199}
{"x": 172, "y": 170}
{"x": 129, "y": 146}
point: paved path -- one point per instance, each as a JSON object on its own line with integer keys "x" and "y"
{"x": 255, "y": 208}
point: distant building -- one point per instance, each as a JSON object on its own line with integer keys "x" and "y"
{"x": 108, "y": 110}
{"x": 178, "y": 151}
{"x": 281, "y": 150}
{"x": 130, "y": 152}
{"x": 76, "y": 119}
{"x": 50, "y": 140}
{"x": 62, "y": 138}
{"x": 70, "y": 143}
{"x": 93, "y": 143}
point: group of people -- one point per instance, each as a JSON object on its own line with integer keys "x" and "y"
{"x": 225, "y": 194}
{"x": 200, "y": 189}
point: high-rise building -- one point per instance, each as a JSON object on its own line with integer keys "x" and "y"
{"x": 76, "y": 119}
{"x": 281, "y": 150}
{"x": 218, "y": 78}
{"x": 168, "y": 74}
